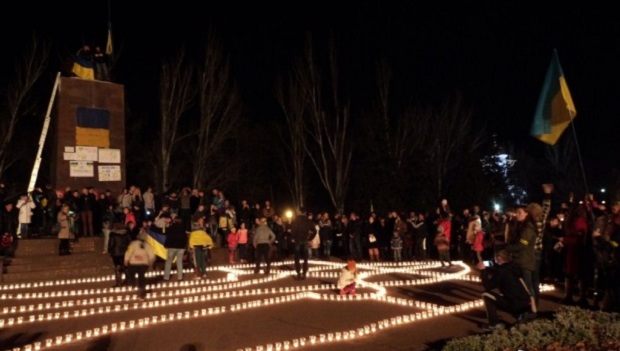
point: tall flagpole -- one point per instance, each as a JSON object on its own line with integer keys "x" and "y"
{"x": 583, "y": 171}
{"x": 572, "y": 125}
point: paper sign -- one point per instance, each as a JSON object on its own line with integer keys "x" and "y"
{"x": 109, "y": 173}
{"x": 81, "y": 169}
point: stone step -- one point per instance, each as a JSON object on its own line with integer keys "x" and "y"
{"x": 49, "y": 246}
{"x": 56, "y": 274}
{"x": 38, "y": 260}
{"x": 51, "y": 262}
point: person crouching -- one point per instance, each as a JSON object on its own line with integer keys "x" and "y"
{"x": 348, "y": 278}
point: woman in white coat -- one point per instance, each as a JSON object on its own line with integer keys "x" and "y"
{"x": 25, "y": 206}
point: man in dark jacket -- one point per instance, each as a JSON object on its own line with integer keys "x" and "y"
{"x": 117, "y": 246}
{"x": 513, "y": 296}
{"x": 301, "y": 229}
{"x": 176, "y": 243}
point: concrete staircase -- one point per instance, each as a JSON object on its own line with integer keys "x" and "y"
{"x": 38, "y": 259}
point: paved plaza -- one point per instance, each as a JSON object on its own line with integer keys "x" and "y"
{"x": 404, "y": 306}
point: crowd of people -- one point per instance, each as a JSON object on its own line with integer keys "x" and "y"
{"x": 576, "y": 244}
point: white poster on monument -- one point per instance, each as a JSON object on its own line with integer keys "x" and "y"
{"x": 109, "y": 155}
{"x": 81, "y": 169}
{"x": 109, "y": 173}
{"x": 86, "y": 153}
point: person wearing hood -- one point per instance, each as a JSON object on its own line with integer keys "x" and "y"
{"x": 504, "y": 289}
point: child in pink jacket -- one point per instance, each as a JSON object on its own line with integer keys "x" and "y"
{"x": 233, "y": 240}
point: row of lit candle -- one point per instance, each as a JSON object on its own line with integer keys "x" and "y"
{"x": 254, "y": 292}
{"x": 217, "y": 310}
{"x": 156, "y": 303}
{"x": 368, "y": 265}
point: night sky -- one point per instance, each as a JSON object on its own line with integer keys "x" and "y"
{"x": 495, "y": 55}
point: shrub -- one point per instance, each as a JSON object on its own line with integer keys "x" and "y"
{"x": 571, "y": 329}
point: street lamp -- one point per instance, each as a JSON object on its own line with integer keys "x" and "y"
{"x": 288, "y": 214}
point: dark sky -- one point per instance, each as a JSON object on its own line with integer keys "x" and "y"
{"x": 496, "y": 55}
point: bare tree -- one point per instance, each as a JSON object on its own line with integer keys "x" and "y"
{"x": 290, "y": 96}
{"x": 390, "y": 143}
{"x": 176, "y": 95}
{"x": 446, "y": 134}
{"x": 220, "y": 111}
{"x": 28, "y": 69}
{"x": 328, "y": 126}
{"x": 398, "y": 130}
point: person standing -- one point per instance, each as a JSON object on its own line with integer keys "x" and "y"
{"x": 371, "y": 233}
{"x": 185, "y": 209}
{"x": 86, "y": 205}
{"x": 149, "y": 202}
{"x": 117, "y": 246}
{"x": 101, "y": 64}
{"x": 302, "y": 228}
{"x": 233, "y": 241}
{"x": 354, "y": 231}
{"x": 199, "y": 244}
{"x": 107, "y": 219}
{"x": 397, "y": 247}
{"x": 139, "y": 257}
{"x": 176, "y": 243}
{"x": 263, "y": 239}
{"x": 521, "y": 240}
{"x": 242, "y": 242}
{"x": 576, "y": 255}
{"x": 25, "y": 206}
{"x": 65, "y": 232}
{"x": 442, "y": 239}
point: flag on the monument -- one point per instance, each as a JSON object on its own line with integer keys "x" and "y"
{"x": 92, "y": 127}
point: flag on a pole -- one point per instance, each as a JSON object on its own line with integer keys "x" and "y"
{"x": 108, "y": 46}
{"x": 555, "y": 109}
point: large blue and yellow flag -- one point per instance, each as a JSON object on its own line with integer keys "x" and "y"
{"x": 93, "y": 127}
{"x": 555, "y": 109}
{"x": 83, "y": 68}
{"x": 157, "y": 241}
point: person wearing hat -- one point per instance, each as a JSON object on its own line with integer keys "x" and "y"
{"x": 348, "y": 278}
{"x": 505, "y": 290}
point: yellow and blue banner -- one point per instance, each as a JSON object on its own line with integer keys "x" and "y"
{"x": 83, "y": 68}
{"x": 157, "y": 240}
{"x": 92, "y": 127}
{"x": 555, "y": 109}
